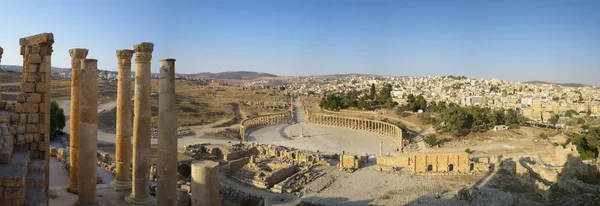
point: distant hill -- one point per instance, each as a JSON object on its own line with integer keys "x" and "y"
{"x": 237, "y": 75}
{"x": 562, "y": 84}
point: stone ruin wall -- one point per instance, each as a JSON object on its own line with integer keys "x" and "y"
{"x": 25, "y": 124}
{"x": 263, "y": 120}
{"x": 377, "y": 127}
{"x": 437, "y": 163}
{"x": 542, "y": 179}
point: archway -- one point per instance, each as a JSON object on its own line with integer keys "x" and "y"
{"x": 471, "y": 166}
{"x": 184, "y": 170}
{"x": 450, "y": 168}
{"x": 429, "y": 168}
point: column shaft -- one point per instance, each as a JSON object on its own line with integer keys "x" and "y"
{"x": 205, "y": 183}
{"x": 167, "y": 135}
{"x": 88, "y": 123}
{"x": 140, "y": 193}
{"x": 77, "y": 55}
{"x": 124, "y": 131}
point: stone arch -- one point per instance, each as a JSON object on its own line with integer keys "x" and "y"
{"x": 293, "y": 155}
{"x": 450, "y": 167}
{"x": 471, "y": 166}
{"x": 429, "y": 168}
{"x": 310, "y": 158}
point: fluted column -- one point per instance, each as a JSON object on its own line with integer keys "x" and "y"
{"x": 124, "y": 131}
{"x": 167, "y": 135}
{"x": 140, "y": 193}
{"x": 77, "y": 55}
{"x": 88, "y": 142}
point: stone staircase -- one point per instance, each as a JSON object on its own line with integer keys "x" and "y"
{"x": 22, "y": 180}
{"x": 13, "y": 179}
{"x": 36, "y": 183}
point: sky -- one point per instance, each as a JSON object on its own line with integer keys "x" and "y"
{"x": 556, "y": 41}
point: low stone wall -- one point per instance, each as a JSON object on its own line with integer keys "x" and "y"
{"x": 372, "y": 126}
{"x": 240, "y": 197}
{"x": 437, "y": 163}
{"x": 237, "y": 165}
{"x": 263, "y": 120}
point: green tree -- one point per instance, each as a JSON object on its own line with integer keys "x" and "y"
{"x": 431, "y": 140}
{"x": 593, "y": 138}
{"x": 362, "y": 102}
{"x": 554, "y": 119}
{"x": 372, "y": 92}
{"x": 543, "y": 136}
{"x": 57, "y": 118}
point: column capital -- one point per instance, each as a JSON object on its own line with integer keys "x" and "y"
{"x": 143, "y": 51}
{"x": 1, "y": 52}
{"x": 125, "y": 54}
{"x": 78, "y": 53}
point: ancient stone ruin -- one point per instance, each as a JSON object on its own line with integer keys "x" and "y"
{"x": 24, "y": 128}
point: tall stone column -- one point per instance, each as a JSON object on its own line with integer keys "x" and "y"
{"x": 77, "y": 55}
{"x": 205, "y": 183}
{"x": 124, "y": 131}
{"x": 167, "y": 135}
{"x": 88, "y": 123}
{"x": 140, "y": 191}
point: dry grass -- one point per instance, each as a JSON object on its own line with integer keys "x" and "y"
{"x": 153, "y": 153}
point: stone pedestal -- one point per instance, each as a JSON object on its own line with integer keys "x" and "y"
{"x": 77, "y": 55}
{"x": 122, "y": 179}
{"x": 140, "y": 191}
{"x": 167, "y": 136}
{"x": 88, "y": 142}
{"x": 205, "y": 183}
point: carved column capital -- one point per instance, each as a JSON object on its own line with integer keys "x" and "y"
{"x": 143, "y": 51}
{"x": 78, "y": 53}
{"x": 125, "y": 54}
{"x": 1, "y": 52}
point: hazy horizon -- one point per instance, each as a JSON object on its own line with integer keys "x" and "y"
{"x": 552, "y": 41}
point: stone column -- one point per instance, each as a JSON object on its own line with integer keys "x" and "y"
{"x": 182, "y": 197}
{"x": 124, "y": 131}
{"x": 167, "y": 136}
{"x": 205, "y": 183}
{"x": 140, "y": 191}
{"x": 380, "y": 148}
{"x": 88, "y": 123}
{"x": 76, "y": 65}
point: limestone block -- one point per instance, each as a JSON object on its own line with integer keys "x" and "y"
{"x": 30, "y": 107}
{"x": 43, "y": 77}
{"x": 21, "y": 97}
{"x": 5, "y": 117}
{"x": 32, "y": 67}
{"x": 42, "y": 106}
{"x": 31, "y": 78}
{"x": 44, "y": 127}
{"x": 23, "y": 118}
{"x": 37, "y": 137}
{"x": 33, "y": 97}
{"x": 41, "y": 87}
{"x": 4, "y": 130}
{"x": 33, "y": 118}
{"x": 34, "y": 59}
{"x": 20, "y": 139}
{"x": 44, "y": 67}
{"x": 28, "y": 87}
{"x": 31, "y": 128}
{"x": 15, "y": 117}
{"x": 20, "y": 129}
{"x": 28, "y": 138}
{"x": 43, "y": 146}
{"x": 33, "y": 146}
{"x": 12, "y": 130}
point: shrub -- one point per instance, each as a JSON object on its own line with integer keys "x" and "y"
{"x": 469, "y": 151}
{"x": 543, "y": 136}
{"x": 57, "y": 118}
{"x": 431, "y": 140}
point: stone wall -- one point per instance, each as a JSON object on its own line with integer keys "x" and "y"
{"x": 430, "y": 163}
{"x": 263, "y": 120}
{"x": 237, "y": 165}
{"x": 25, "y": 124}
{"x": 372, "y": 126}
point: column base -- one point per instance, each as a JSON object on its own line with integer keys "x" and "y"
{"x": 140, "y": 201}
{"x": 120, "y": 185}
